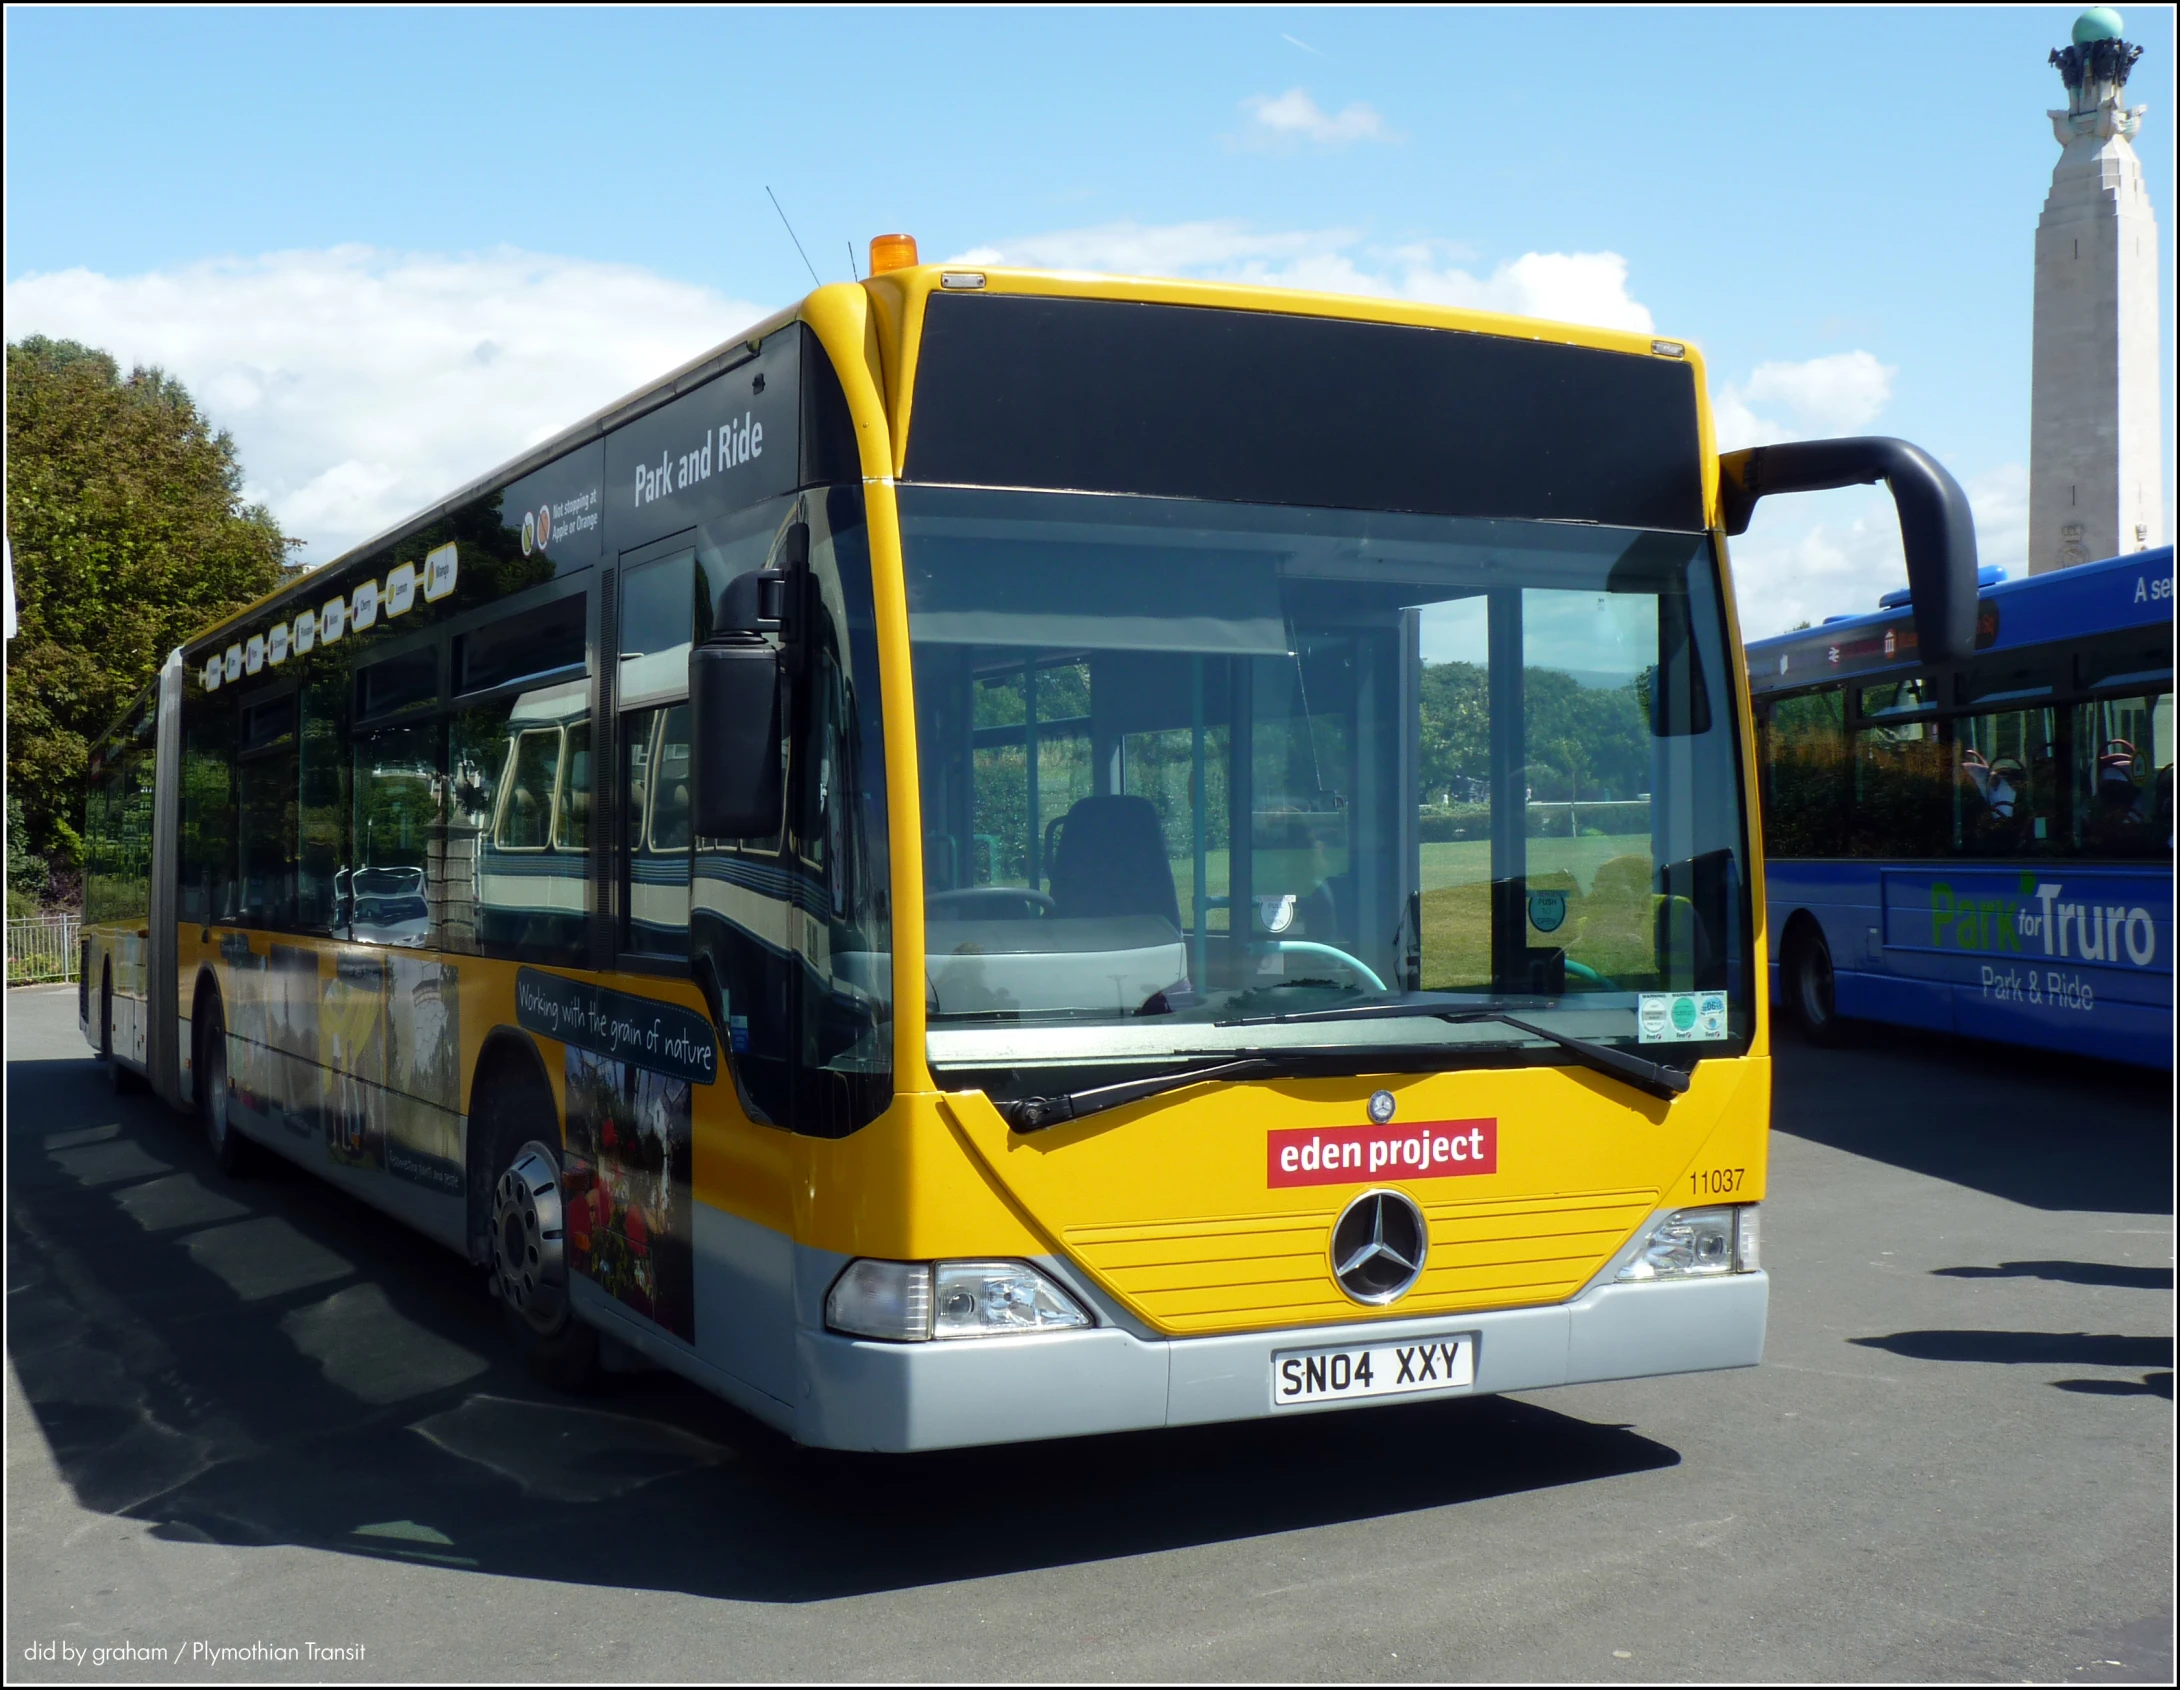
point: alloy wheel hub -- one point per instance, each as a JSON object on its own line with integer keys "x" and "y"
{"x": 529, "y": 1249}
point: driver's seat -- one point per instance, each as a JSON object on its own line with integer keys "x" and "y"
{"x": 1111, "y": 860}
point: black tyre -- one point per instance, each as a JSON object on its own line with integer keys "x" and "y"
{"x": 230, "y": 1150}
{"x": 1810, "y": 990}
{"x": 528, "y": 1242}
{"x": 122, "y": 1078}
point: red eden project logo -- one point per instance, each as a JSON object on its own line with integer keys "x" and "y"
{"x": 1349, "y": 1155}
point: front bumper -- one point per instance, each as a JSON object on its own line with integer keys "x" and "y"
{"x": 872, "y": 1396}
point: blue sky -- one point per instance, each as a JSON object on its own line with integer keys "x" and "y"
{"x": 389, "y": 248}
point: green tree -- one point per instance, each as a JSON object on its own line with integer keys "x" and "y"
{"x": 128, "y": 534}
{"x": 1588, "y": 740}
{"x": 26, "y": 870}
{"x": 1456, "y": 731}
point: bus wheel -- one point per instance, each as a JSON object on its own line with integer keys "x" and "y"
{"x": 1809, "y": 988}
{"x": 121, "y": 1078}
{"x": 230, "y": 1150}
{"x": 530, "y": 1269}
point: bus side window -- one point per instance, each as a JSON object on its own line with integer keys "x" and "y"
{"x": 2123, "y": 756}
{"x": 1806, "y": 772}
{"x": 660, "y": 599}
{"x": 656, "y": 752}
{"x": 669, "y": 827}
{"x": 208, "y": 809}
{"x": 571, "y": 809}
{"x": 2008, "y": 783}
{"x": 528, "y": 790}
{"x": 1902, "y": 803}
{"x": 396, "y": 789}
{"x": 324, "y": 800}
{"x": 117, "y": 833}
{"x": 266, "y": 773}
{"x": 520, "y": 768}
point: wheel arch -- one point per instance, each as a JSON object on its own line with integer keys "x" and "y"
{"x": 1799, "y": 928}
{"x": 508, "y": 1056}
{"x": 205, "y": 991}
{"x": 100, "y": 1032}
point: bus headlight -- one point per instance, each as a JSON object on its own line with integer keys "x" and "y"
{"x": 911, "y": 1302}
{"x": 882, "y": 1300}
{"x": 1696, "y": 1244}
{"x": 988, "y": 1299}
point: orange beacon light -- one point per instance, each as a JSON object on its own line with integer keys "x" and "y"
{"x": 892, "y": 252}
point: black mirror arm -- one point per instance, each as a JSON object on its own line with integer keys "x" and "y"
{"x": 1937, "y": 528}
{"x": 750, "y": 604}
{"x": 771, "y": 600}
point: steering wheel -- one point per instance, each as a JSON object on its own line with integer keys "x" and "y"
{"x": 1331, "y": 953}
{"x": 990, "y": 903}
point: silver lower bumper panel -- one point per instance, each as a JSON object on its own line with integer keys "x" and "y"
{"x": 873, "y": 1396}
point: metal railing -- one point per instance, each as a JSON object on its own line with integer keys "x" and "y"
{"x": 42, "y": 948}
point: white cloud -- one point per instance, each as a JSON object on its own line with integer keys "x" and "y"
{"x": 1574, "y": 287}
{"x": 1217, "y": 245}
{"x": 1277, "y": 120}
{"x": 1835, "y": 554}
{"x": 2000, "y": 499}
{"x": 1565, "y": 287}
{"x": 1838, "y": 394}
{"x": 1816, "y": 555}
{"x": 361, "y": 385}
{"x": 1844, "y": 390}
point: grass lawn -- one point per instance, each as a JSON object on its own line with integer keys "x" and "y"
{"x": 1607, "y": 882}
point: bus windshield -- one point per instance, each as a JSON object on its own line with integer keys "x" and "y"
{"x": 1193, "y": 770}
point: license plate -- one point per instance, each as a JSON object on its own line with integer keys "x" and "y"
{"x": 1380, "y": 1370}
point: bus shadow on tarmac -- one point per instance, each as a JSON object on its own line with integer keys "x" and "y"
{"x": 2050, "y": 1131}
{"x": 266, "y": 1361}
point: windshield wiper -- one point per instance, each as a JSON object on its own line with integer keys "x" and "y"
{"x": 1656, "y": 1078}
{"x": 1032, "y": 1114}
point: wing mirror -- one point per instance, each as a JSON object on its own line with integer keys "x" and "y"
{"x": 1937, "y": 529}
{"x": 734, "y": 694}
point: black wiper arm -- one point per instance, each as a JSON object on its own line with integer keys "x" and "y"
{"x": 1033, "y": 1114}
{"x": 1655, "y": 1078}
{"x": 1640, "y": 1072}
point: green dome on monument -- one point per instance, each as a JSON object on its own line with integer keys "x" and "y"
{"x": 2099, "y": 23}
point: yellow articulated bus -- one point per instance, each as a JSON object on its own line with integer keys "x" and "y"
{"x": 1014, "y": 855}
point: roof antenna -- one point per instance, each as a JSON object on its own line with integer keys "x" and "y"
{"x": 790, "y": 228}
{"x": 852, "y": 276}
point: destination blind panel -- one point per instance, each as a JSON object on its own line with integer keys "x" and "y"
{"x": 1114, "y": 396}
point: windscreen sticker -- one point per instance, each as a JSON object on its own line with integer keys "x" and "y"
{"x": 1679, "y": 1018}
{"x": 1355, "y": 1155}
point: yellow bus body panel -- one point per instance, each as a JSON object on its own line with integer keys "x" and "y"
{"x": 1166, "y": 1204}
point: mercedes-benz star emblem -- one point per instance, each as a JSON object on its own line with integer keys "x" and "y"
{"x": 1378, "y": 1246}
{"x": 1381, "y": 1107}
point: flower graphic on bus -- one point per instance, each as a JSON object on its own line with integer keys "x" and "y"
{"x": 625, "y": 1179}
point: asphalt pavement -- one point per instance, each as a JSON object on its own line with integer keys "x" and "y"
{"x": 253, "y": 1415}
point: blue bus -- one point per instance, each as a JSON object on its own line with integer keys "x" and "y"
{"x": 1986, "y": 846}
